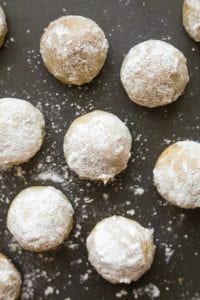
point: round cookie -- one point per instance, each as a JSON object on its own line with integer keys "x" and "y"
{"x": 40, "y": 218}
{"x": 22, "y": 130}
{"x": 191, "y": 18}
{"x": 154, "y": 73}
{"x": 120, "y": 249}
{"x": 177, "y": 174}
{"x": 97, "y": 146}
{"x": 74, "y": 49}
{"x": 3, "y": 27}
{"x": 10, "y": 280}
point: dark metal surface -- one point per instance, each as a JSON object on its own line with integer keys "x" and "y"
{"x": 125, "y": 22}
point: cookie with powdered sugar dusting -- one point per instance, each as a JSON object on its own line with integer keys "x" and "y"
{"x": 22, "y": 130}
{"x": 191, "y": 18}
{"x": 40, "y": 218}
{"x": 97, "y": 146}
{"x": 154, "y": 73}
{"x": 120, "y": 249}
{"x": 74, "y": 49}
{"x": 177, "y": 174}
{"x": 10, "y": 280}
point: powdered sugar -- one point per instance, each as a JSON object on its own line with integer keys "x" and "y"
{"x": 121, "y": 294}
{"x": 177, "y": 174}
{"x": 51, "y": 175}
{"x": 168, "y": 252}
{"x": 154, "y": 73}
{"x": 48, "y": 291}
{"x": 65, "y": 37}
{"x": 29, "y": 279}
{"x": 97, "y": 146}
{"x": 139, "y": 191}
{"x": 116, "y": 249}
{"x": 150, "y": 290}
{"x": 40, "y": 218}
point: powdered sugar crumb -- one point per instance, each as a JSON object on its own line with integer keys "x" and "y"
{"x": 139, "y": 191}
{"x": 50, "y": 175}
{"x": 49, "y": 291}
{"x": 121, "y": 294}
{"x": 130, "y": 212}
{"x": 150, "y": 290}
{"x": 168, "y": 252}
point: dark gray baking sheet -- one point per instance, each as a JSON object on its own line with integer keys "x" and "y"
{"x": 63, "y": 274}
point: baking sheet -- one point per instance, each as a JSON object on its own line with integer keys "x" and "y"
{"x": 65, "y": 273}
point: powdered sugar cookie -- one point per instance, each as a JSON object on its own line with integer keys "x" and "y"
{"x": 74, "y": 49}
{"x": 120, "y": 249}
{"x": 3, "y": 27}
{"x": 22, "y": 130}
{"x": 10, "y": 280}
{"x": 154, "y": 73}
{"x": 97, "y": 146}
{"x": 191, "y": 18}
{"x": 177, "y": 174}
{"x": 40, "y": 218}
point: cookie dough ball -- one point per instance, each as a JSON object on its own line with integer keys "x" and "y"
{"x": 22, "y": 130}
{"x": 74, "y": 49}
{"x": 154, "y": 73}
{"x": 40, "y": 218}
{"x": 177, "y": 174}
{"x": 121, "y": 250}
{"x": 3, "y": 27}
{"x": 191, "y": 18}
{"x": 97, "y": 146}
{"x": 10, "y": 280}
